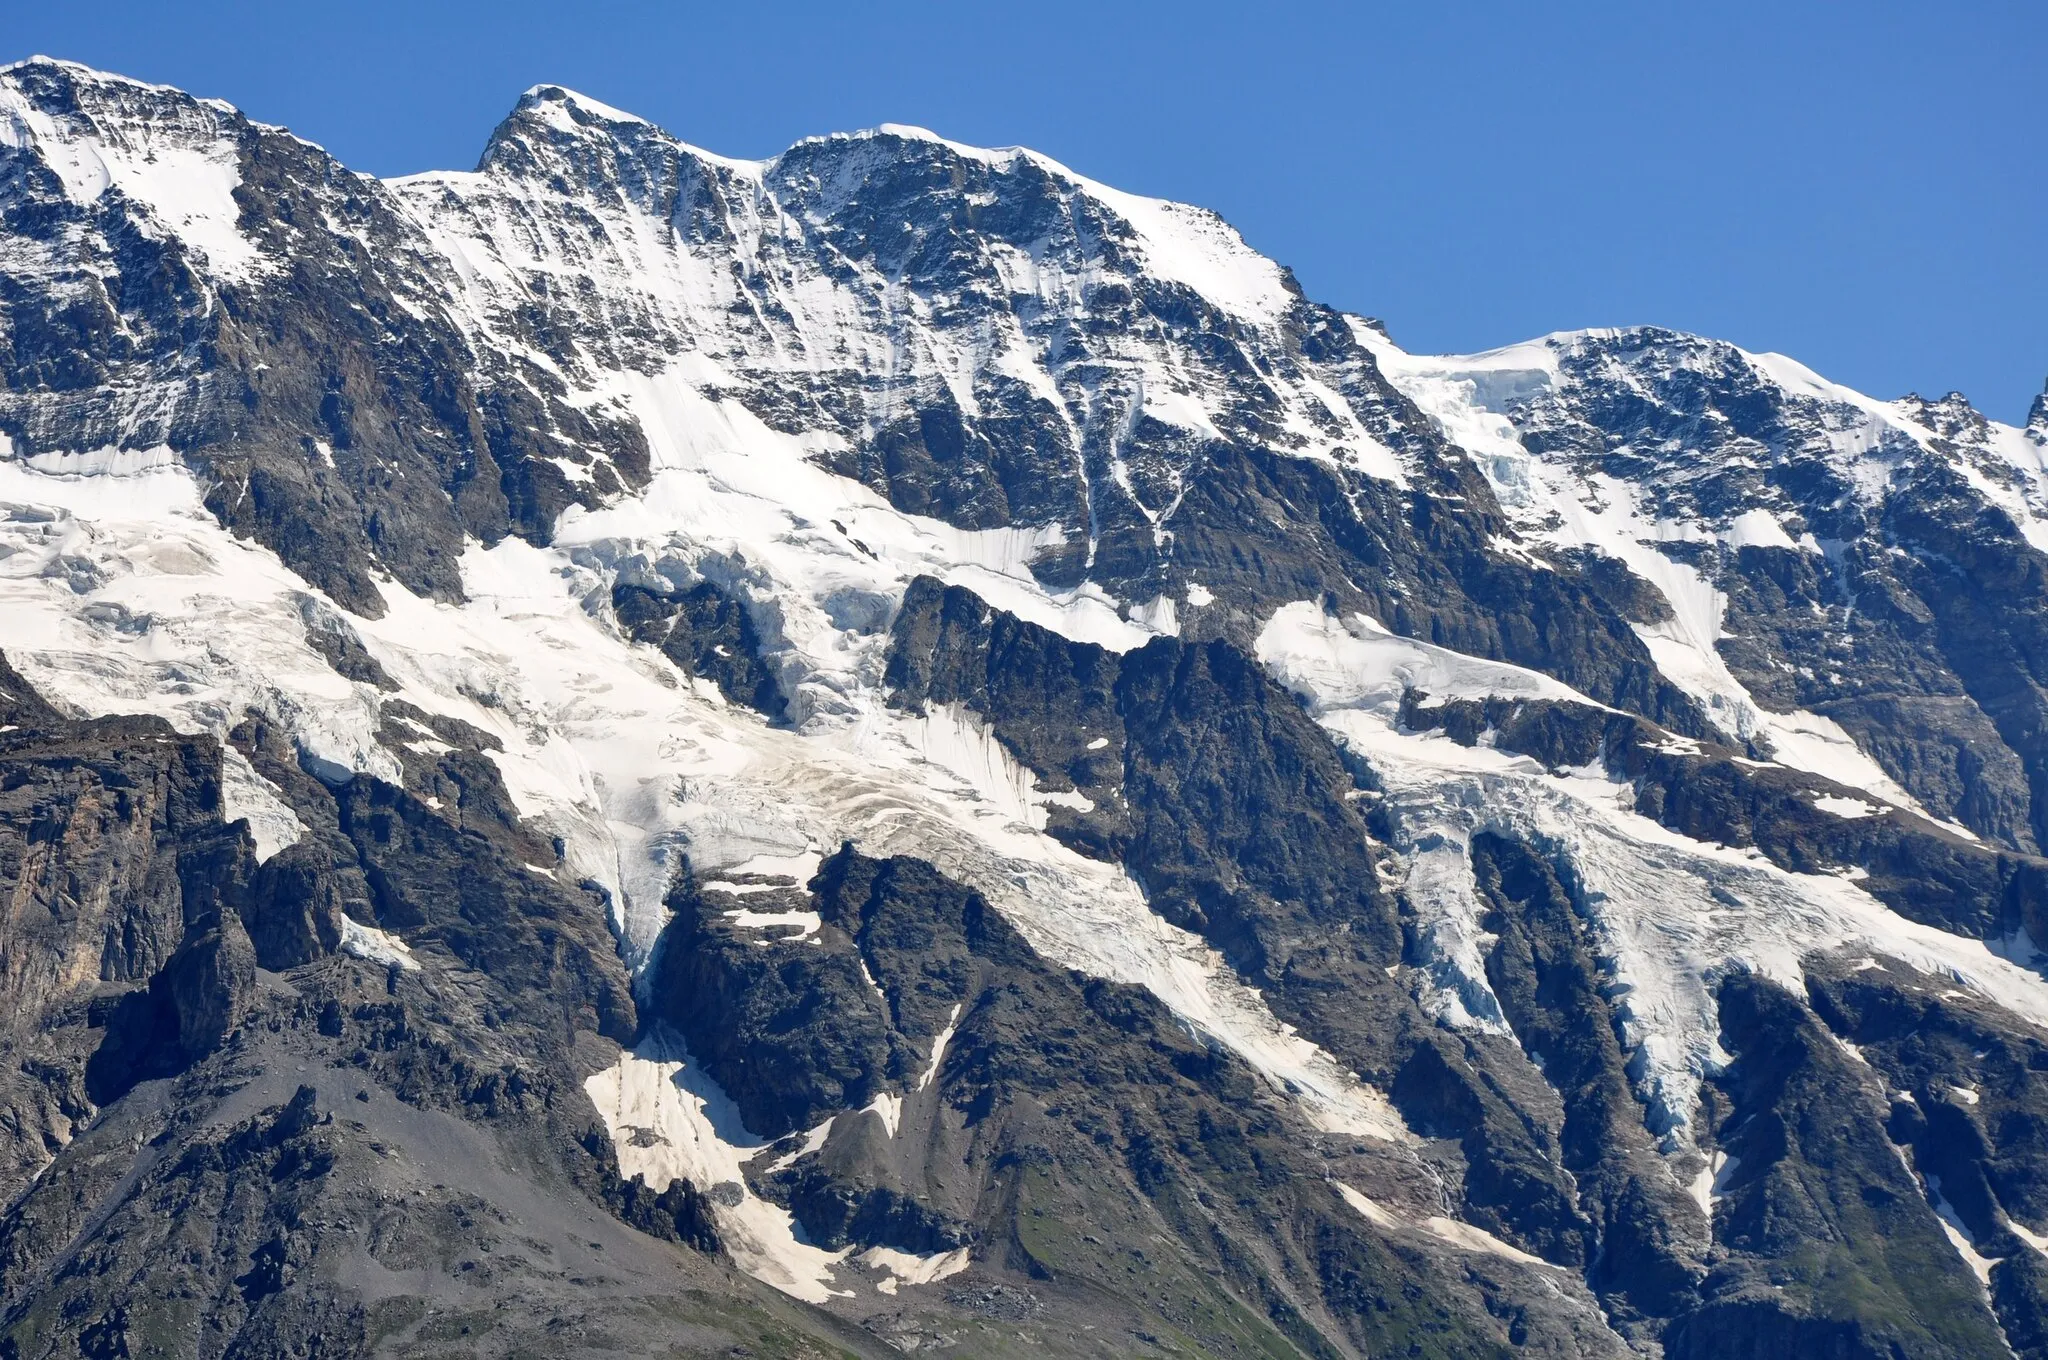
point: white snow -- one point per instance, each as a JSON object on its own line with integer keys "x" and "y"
{"x": 1710, "y": 1186}
{"x": 594, "y": 107}
{"x": 245, "y": 793}
{"x": 1355, "y": 663}
{"x": 945, "y": 1036}
{"x": 669, "y": 1121}
{"x": 2027, "y": 1235}
{"x": 1195, "y": 247}
{"x": 178, "y": 162}
{"x": 375, "y": 946}
{"x": 2004, "y": 466}
{"x": 1958, "y": 1233}
{"x": 869, "y": 974}
{"x": 1463, "y": 1236}
{"x": 1450, "y": 947}
{"x": 120, "y": 593}
{"x": 903, "y": 1267}
{"x": 1757, "y": 528}
{"x": 887, "y": 1107}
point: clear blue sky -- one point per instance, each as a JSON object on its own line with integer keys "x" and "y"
{"x": 1861, "y": 185}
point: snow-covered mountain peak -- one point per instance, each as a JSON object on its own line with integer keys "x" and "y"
{"x": 911, "y": 132}
{"x": 83, "y": 75}
{"x": 1012, "y": 193}
{"x": 170, "y": 155}
{"x": 984, "y": 337}
{"x": 562, "y": 96}
{"x": 593, "y": 132}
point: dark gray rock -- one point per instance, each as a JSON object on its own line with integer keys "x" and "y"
{"x": 791, "y": 1031}
{"x": 1826, "y": 1241}
{"x": 707, "y": 632}
{"x": 208, "y": 982}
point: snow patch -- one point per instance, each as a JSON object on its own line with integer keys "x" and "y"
{"x": 903, "y": 1268}
{"x": 1958, "y": 1233}
{"x": 1463, "y": 1236}
{"x": 375, "y": 946}
{"x": 945, "y": 1036}
{"x": 669, "y": 1121}
{"x": 273, "y": 826}
{"x": 1356, "y": 663}
{"x": 887, "y": 1107}
{"x": 1757, "y": 529}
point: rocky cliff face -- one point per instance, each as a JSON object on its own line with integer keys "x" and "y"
{"x": 893, "y": 748}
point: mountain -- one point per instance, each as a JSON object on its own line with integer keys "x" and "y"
{"x": 895, "y": 749}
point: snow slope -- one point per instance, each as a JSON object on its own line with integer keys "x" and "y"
{"x": 174, "y": 162}
{"x": 1671, "y": 915}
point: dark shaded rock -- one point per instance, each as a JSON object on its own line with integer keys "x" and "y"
{"x": 679, "y": 1213}
{"x": 1829, "y": 1239}
{"x": 2019, "y": 1295}
{"x": 1244, "y": 825}
{"x": 707, "y": 632}
{"x": 791, "y": 1031}
{"x": 123, "y": 954}
{"x": 208, "y": 983}
{"x": 296, "y": 906}
{"x": 1977, "y": 1076}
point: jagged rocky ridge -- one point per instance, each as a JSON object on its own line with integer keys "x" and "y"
{"x": 893, "y": 747}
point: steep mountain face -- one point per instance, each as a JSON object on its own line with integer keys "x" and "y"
{"x": 1864, "y": 562}
{"x": 893, "y": 748}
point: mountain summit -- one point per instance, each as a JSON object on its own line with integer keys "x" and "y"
{"x": 631, "y": 752}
